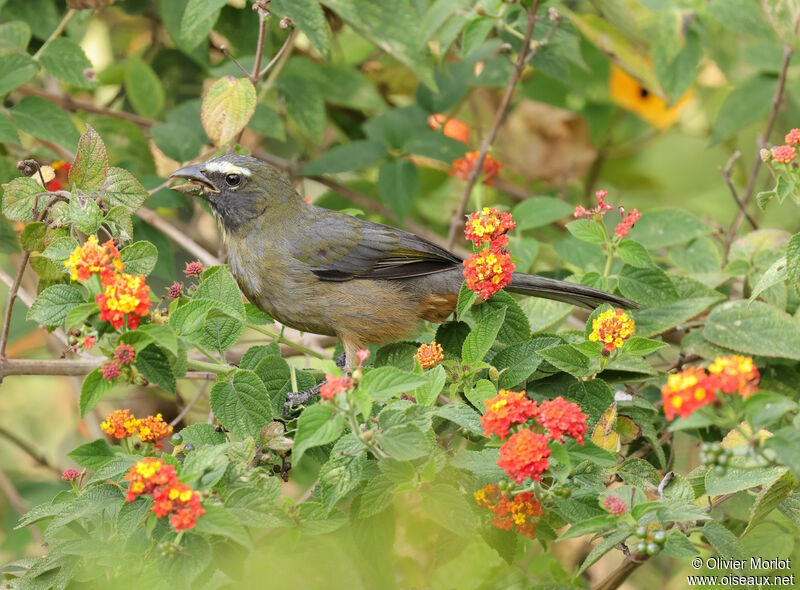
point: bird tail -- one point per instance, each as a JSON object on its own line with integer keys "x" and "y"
{"x": 580, "y": 295}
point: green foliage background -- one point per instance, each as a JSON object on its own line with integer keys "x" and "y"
{"x": 344, "y": 112}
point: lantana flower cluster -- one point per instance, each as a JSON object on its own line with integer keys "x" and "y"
{"x": 612, "y": 328}
{"x": 450, "y": 126}
{"x": 625, "y": 225}
{"x": 125, "y": 298}
{"x": 463, "y": 167}
{"x": 335, "y": 384}
{"x": 124, "y": 355}
{"x": 695, "y": 387}
{"x": 429, "y": 355}
{"x": 152, "y": 477}
{"x": 59, "y": 181}
{"x": 489, "y": 269}
{"x": 525, "y": 452}
{"x": 786, "y": 153}
{"x": 122, "y": 424}
{"x": 520, "y": 512}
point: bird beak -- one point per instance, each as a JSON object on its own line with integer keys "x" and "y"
{"x": 196, "y": 179}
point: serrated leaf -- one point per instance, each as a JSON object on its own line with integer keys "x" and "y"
{"x": 482, "y": 336}
{"x": 140, "y": 258}
{"x": 154, "y": 366}
{"x": 305, "y": 105}
{"x": 64, "y": 59}
{"x": 355, "y": 155}
{"x": 316, "y": 426}
{"x": 634, "y": 254}
{"x": 746, "y": 104}
{"x": 307, "y": 15}
{"x": 92, "y": 455}
{"x": 723, "y": 540}
{"x": 44, "y": 120}
{"x": 122, "y": 188}
{"x": 14, "y": 35}
{"x": 90, "y": 168}
{"x": 241, "y": 404}
{"x": 85, "y": 213}
{"x": 649, "y": 286}
{"x": 21, "y": 196}
{"x": 567, "y": 358}
{"x": 383, "y": 383}
{"x": 227, "y": 107}
{"x": 755, "y": 328}
{"x": 774, "y": 275}
{"x": 405, "y": 442}
{"x": 93, "y": 389}
{"x": 769, "y": 498}
{"x": 516, "y": 363}
{"x": 52, "y": 305}
{"x": 198, "y": 19}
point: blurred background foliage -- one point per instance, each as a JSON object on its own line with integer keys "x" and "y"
{"x": 645, "y": 98}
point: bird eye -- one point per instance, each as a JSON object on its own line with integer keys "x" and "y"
{"x": 233, "y": 179}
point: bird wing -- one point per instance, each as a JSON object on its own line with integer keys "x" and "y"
{"x": 345, "y": 248}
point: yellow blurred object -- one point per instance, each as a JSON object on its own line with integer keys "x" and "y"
{"x": 627, "y": 92}
{"x": 741, "y": 436}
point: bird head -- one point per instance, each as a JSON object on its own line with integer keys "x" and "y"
{"x": 238, "y": 188}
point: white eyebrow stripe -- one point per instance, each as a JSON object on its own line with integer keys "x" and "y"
{"x": 227, "y": 168}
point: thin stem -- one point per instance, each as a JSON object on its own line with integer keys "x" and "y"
{"x": 726, "y": 175}
{"x": 28, "y": 449}
{"x": 188, "y": 406}
{"x": 278, "y": 56}
{"x": 262, "y": 32}
{"x": 57, "y": 32}
{"x": 12, "y": 297}
{"x": 762, "y": 144}
{"x": 217, "y": 368}
{"x": 280, "y": 339}
{"x": 525, "y": 55}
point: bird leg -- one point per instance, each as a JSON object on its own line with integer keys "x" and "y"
{"x": 298, "y": 398}
{"x": 341, "y": 360}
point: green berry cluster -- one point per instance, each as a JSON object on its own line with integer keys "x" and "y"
{"x": 715, "y": 456}
{"x": 652, "y": 540}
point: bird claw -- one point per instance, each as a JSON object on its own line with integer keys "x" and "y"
{"x": 341, "y": 360}
{"x": 299, "y": 398}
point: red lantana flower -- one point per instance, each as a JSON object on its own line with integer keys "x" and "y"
{"x": 120, "y": 424}
{"x": 601, "y": 209}
{"x": 153, "y": 429}
{"x": 124, "y": 354}
{"x": 110, "y": 370}
{"x": 125, "y": 300}
{"x": 194, "y": 269}
{"x": 488, "y": 225}
{"x": 793, "y": 137}
{"x": 561, "y": 417}
{"x": 734, "y": 374}
{"x": 463, "y": 167}
{"x": 93, "y": 258}
{"x": 520, "y": 512}
{"x": 335, "y": 385}
{"x": 172, "y": 498}
{"x": 453, "y": 128}
{"x": 61, "y": 168}
{"x": 615, "y": 505}
{"x": 524, "y": 455}
{"x": 488, "y": 271}
{"x": 505, "y": 410}
{"x": 429, "y": 355}
{"x": 627, "y": 223}
{"x": 784, "y": 154}
{"x": 686, "y": 391}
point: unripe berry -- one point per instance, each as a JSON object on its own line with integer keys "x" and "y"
{"x": 641, "y": 532}
{"x": 660, "y": 537}
{"x": 652, "y": 549}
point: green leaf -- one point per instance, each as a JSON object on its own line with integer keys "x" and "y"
{"x": 227, "y": 107}
{"x": 198, "y": 19}
{"x": 603, "y": 547}
{"x": 64, "y": 59}
{"x": 723, "y": 540}
{"x": 642, "y": 346}
{"x": 219, "y": 285}
{"x": 15, "y": 36}
{"x": 462, "y": 415}
{"x": 52, "y": 305}
{"x": 784, "y": 17}
{"x": 539, "y": 211}
{"x": 785, "y": 443}
{"x": 634, "y": 254}
{"x": 346, "y": 157}
{"x": 90, "y": 168}
{"x": 446, "y": 506}
{"x": 241, "y": 403}
{"x": 15, "y": 70}
{"x": 316, "y": 426}
{"x": 182, "y": 136}
{"x": 154, "y": 366}
{"x": 755, "y": 328}
{"x": 8, "y": 132}
{"x": 304, "y": 105}
{"x": 201, "y": 435}
{"x": 140, "y": 258}
{"x": 748, "y": 103}
{"x": 398, "y": 185}
{"x": 44, "y": 120}
{"x": 20, "y": 196}
{"x": 736, "y": 479}
{"x": 516, "y": 363}
{"x": 405, "y": 442}
{"x": 649, "y": 286}
{"x": 769, "y": 498}
{"x": 93, "y": 389}
{"x": 668, "y": 227}
{"x": 793, "y": 261}
{"x": 694, "y": 298}
{"x": 774, "y": 275}
{"x": 384, "y": 383}
{"x": 378, "y": 495}
{"x": 590, "y": 526}
{"x": 256, "y": 354}
{"x": 427, "y": 394}
{"x": 587, "y": 230}
{"x": 466, "y": 299}
{"x": 85, "y": 213}
{"x": 388, "y": 25}
{"x": 122, "y": 188}
{"x": 567, "y": 358}
{"x": 80, "y": 313}
{"x": 267, "y": 122}
{"x": 217, "y": 522}
{"x": 481, "y": 338}
{"x": 515, "y": 328}
{"x": 92, "y": 455}
{"x": 307, "y": 15}
{"x": 143, "y": 88}
{"x": 594, "y": 397}
{"x": 740, "y": 16}
{"x": 479, "y": 393}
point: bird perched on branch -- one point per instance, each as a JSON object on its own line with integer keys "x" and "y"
{"x": 329, "y": 273}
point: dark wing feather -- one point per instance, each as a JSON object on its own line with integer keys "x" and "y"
{"x": 366, "y": 250}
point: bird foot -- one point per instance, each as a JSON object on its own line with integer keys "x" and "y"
{"x": 341, "y": 360}
{"x": 299, "y": 398}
